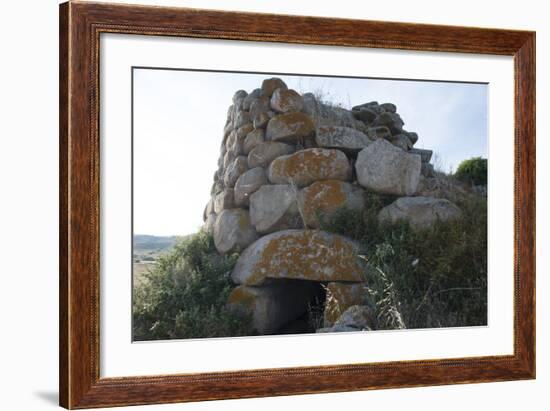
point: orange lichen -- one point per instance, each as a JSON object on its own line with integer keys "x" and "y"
{"x": 341, "y": 296}
{"x": 307, "y": 255}
{"x": 322, "y": 196}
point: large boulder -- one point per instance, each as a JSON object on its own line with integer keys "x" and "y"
{"x": 286, "y": 100}
{"x": 260, "y": 105}
{"x": 343, "y": 138}
{"x": 324, "y": 198}
{"x": 341, "y": 296}
{"x": 391, "y": 120}
{"x": 307, "y": 166}
{"x": 273, "y": 208}
{"x": 264, "y": 153}
{"x": 357, "y": 316}
{"x": 365, "y": 114}
{"x": 210, "y": 223}
{"x": 425, "y": 155}
{"x": 271, "y": 84}
{"x": 224, "y": 200}
{"x": 241, "y": 118}
{"x": 301, "y": 255}
{"x": 250, "y": 98}
{"x": 252, "y": 140}
{"x": 290, "y": 127}
{"x": 233, "y": 231}
{"x": 234, "y": 170}
{"x": 239, "y": 95}
{"x": 247, "y": 184}
{"x": 420, "y": 212}
{"x": 374, "y": 133}
{"x": 272, "y": 306}
{"x": 387, "y": 169}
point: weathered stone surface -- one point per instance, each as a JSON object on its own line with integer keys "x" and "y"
{"x": 234, "y": 171}
{"x": 227, "y": 129}
{"x": 307, "y": 166}
{"x": 274, "y": 305}
{"x": 384, "y": 168}
{"x": 274, "y": 207}
{"x": 290, "y": 127}
{"x": 341, "y": 296}
{"x": 261, "y": 120}
{"x": 265, "y": 152}
{"x": 391, "y": 120}
{"x": 366, "y": 115}
{"x": 250, "y": 98}
{"x": 224, "y": 200}
{"x": 233, "y": 231}
{"x": 412, "y": 136}
{"x": 286, "y": 100}
{"x": 343, "y": 138}
{"x": 357, "y": 316}
{"x": 371, "y": 105}
{"x": 401, "y": 141}
{"x": 389, "y": 107}
{"x": 427, "y": 170}
{"x": 239, "y": 94}
{"x": 420, "y": 212}
{"x": 425, "y": 155}
{"x": 209, "y": 209}
{"x": 248, "y": 183}
{"x": 299, "y": 254}
{"x": 325, "y": 197}
{"x": 271, "y": 84}
{"x": 258, "y": 106}
{"x": 210, "y": 223}
{"x": 228, "y": 158}
{"x": 252, "y": 139}
{"x": 375, "y": 133}
{"x": 243, "y": 131}
{"x": 241, "y": 118}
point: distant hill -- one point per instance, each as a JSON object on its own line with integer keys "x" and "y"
{"x": 143, "y": 242}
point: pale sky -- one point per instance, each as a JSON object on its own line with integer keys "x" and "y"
{"x": 179, "y": 118}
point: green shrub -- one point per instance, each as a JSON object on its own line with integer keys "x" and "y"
{"x": 473, "y": 171}
{"x": 185, "y": 295}
{"x": 422, "y": 279}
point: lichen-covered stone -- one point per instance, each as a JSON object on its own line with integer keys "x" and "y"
{"x": 420, "y": 212}
{"x": 343, "y": 138}
{"x": 274, "y": 207}
{"x": 271, "y": 84}
{"x": 264, "y": 153}
{"x": 224, "y": 200}
{"x": 272, "y": 306}
{"x": 261, "y": 120}
{"x": 386, "y": 169}
{"x": 286, "y": 100}
{"x": 324, "y": 198}
{"x": 401, "y": 141}
{"x": 252, "y": 139}
{"x": 247, "y": 184}
{"x": 341, "y": 296}
{"x": 290, "y": 127}
{"x": 233, "y": 231}
{"x": 412, "y": 136}
{"x": 299, "y": 254}
{"x": 234, "y": 170}
{"x": 328, "y": 115}
{"x": 307, "y": 166}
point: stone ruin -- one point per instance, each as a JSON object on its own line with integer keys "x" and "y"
{"x": 287, "y": 159}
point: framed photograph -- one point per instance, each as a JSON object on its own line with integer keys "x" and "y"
{"x": 259, "y": 205}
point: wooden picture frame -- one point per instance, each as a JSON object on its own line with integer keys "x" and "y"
{"x": 81, "y": 24}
